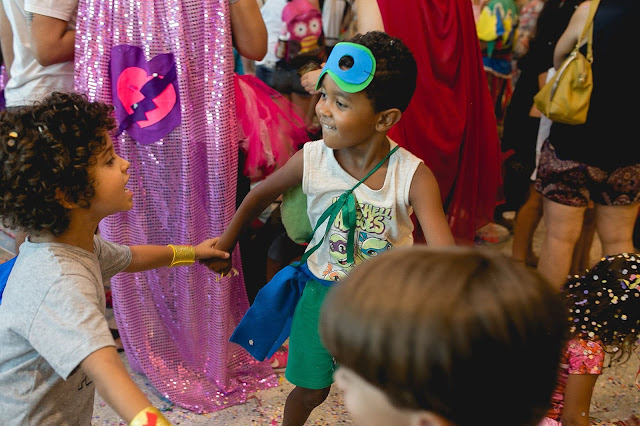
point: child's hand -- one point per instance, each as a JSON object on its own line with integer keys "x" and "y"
{"x": 309, "y": 81}
{"x": 221, "y": 266}
{"x": 207, "y": 250}
{"x": 216, "y": 260}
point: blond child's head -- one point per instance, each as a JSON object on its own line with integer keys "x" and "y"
{"x": 460, "y": 335}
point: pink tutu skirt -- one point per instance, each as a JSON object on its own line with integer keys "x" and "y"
{"x": 270, "y": 126}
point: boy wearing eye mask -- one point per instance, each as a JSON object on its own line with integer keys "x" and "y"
{"x": 361, "y": 190}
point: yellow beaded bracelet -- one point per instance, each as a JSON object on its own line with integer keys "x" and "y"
{"x": 182, "y": 255}
{"x": 150, "y": 416}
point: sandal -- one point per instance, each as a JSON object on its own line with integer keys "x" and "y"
{"x": 278, "y": 360}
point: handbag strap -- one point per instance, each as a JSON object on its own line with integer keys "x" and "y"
{"x": 588, "y": 26}
{"x": 346, "y": 204}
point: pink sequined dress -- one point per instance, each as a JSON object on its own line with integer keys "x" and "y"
{"x": 175, "y": 323}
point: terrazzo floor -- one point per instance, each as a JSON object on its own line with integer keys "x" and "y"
{"x": 616, "y": 399}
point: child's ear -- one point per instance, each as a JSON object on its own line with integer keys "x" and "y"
{"x": 387, "y": 119}
{"x": 63, "y": 199}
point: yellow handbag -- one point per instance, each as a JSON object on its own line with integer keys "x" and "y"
{"x": 566, "y": 97}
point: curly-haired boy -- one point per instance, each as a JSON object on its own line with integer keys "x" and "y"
{"x": 60, "y": 178}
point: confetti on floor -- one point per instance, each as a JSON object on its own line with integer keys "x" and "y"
{"x": 616, "y": 400}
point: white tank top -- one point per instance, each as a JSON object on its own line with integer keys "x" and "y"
{"x": 383, "y": 216}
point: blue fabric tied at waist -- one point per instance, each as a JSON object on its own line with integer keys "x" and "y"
{"x": 267, "y": 323}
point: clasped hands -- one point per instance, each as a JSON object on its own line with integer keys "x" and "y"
{"x": 218, "y": 260}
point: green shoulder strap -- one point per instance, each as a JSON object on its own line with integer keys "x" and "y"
{"x": 347, "y": 204}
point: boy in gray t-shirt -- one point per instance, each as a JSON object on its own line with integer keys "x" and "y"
{"x": 52, "y": 319}
{"x": 60, "y": 178}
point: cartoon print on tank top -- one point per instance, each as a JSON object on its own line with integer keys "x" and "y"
{"x": 370, "y": 242}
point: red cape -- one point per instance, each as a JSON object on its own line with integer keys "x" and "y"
{"x": 450, "y": 122}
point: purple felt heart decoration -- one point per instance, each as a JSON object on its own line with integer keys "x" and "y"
{"x": 145, "y": 93}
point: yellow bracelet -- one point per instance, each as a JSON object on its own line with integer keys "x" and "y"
{"x": 182, "y": 255}
{"x": 148, "y": 417}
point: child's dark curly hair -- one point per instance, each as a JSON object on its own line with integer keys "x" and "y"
{"x": 46, "y": 152}
{"x": 604, "y": 304}
{"x": 394, "y": 81}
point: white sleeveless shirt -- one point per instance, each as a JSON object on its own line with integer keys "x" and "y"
{"x": 383, "y": 215}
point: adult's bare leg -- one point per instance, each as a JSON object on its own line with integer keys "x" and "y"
{"x": 563, "y": 225}
{"x": 615, "y": 227}
{"x": 582, "y": 251}
{"x": 525, "y": 225}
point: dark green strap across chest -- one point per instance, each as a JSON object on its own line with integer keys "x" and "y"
{"x": 346, "y": 204}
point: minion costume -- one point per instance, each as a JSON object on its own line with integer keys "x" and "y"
{"x": 358, "y": 218}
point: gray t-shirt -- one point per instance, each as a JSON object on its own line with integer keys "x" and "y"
{"x": 52, "y": 318}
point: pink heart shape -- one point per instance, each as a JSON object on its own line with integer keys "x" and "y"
{"x": 129, "y": 83}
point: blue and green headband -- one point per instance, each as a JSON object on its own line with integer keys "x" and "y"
{"x": 355, "y": 78}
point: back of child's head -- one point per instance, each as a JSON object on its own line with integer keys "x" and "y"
{"x": 394, "y": 78}
{"x": 46, "y": 152}
{"x": 604, "y": 304}
{"x": 466, "y": 334}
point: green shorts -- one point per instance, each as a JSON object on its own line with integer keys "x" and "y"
{"x": 309, "y": 364}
